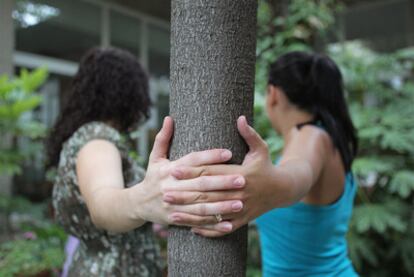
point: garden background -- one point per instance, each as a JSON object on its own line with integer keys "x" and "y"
{"x": 379, "y": 83}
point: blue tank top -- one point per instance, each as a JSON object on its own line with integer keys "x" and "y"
{"x": 308, "y": 240}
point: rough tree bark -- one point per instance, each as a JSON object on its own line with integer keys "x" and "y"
{"x": 212, "y": 81}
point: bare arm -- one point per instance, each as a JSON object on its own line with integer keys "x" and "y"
{"x": 99, "y": 172}
{"x": 115, "y": 208}
{"x": 268, "y": 186}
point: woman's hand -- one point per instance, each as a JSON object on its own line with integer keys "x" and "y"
{"x": 267, "y": 186}
{"x": 155, "y": 196}
{"x": 258, "y": 196}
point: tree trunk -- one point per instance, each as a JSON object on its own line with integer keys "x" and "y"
{"x": 212, "y": 83}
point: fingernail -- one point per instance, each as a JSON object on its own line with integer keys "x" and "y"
{"x": 195, "y": 231}
{"x": 236, "y": 206}
{"x": 239, "y": 182}
{"x": 168, "y": 198}
{"x": 177, "y": 173}
{"x": 176, "y": 218}
{"x": 226, "y": 154}
{"x": 226, "y": 226}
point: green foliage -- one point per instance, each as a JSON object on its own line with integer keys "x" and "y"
{"x": 15, "y": 204}
{"x": 28, "y": 257}
{"x": 402, "y": 183}
{"x": 253, "y": 272}
{"x": 381, "y": 90}
{"x": 253, "y": 256}
{"x": 361, "y": 250}
{"x": 298, "y": 29}
{"x": 37, "y": 244}
{"x": 17, "y": 99}
{"x": 378, "y": 218}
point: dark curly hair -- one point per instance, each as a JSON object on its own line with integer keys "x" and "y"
{"x": 110, "y": 86}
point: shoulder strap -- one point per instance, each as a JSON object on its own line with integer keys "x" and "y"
{"x": 311, "y": 122}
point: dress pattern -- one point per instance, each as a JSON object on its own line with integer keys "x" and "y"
{"x": 101, "y": 253}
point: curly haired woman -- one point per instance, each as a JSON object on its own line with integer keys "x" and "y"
{"x": 100, "y": 195}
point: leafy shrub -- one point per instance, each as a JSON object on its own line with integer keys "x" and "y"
{"x": 32, "y": 244}
{"x": 30, "y": 256}
{"x": 17, "y": 99}
{"x": 381, "y": 89}
{"x": 36, "y": 245}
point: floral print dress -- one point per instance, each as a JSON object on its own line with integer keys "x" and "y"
{"x": 101, "y": 253}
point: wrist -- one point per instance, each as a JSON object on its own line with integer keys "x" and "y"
{"x": 137, "y": 202}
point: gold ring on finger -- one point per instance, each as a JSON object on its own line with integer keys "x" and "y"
{"x": 219, "y": 218}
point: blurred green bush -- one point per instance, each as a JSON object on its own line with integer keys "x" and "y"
{"x": 381, "y": 93}
{"x": 34, "y": 244}
{"x": 18, "y": 98}
{"x": 31, "y": 245}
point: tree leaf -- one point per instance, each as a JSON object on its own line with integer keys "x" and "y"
{"x": 402, "y": 183}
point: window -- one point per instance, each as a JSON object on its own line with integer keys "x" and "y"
{"x": 125, "y": 32}
{"x": 159, "y": 51}
{"x": 60, "y": 29}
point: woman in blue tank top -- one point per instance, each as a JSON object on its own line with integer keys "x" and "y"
{"x": 303, "y": 203}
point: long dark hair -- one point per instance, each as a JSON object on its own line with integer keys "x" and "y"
{"x": 110, "y": 86}
{"x": 313, "y": 83}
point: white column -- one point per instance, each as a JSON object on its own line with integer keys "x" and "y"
{"x": 6, "y": 37}
{"x": 6, "y": 65}
{"x": 143, "y": 48}
{"x": 105, "y": 27}
{"x": 143, "y": 57}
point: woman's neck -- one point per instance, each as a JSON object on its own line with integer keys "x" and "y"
{"x": 290, "y": 121}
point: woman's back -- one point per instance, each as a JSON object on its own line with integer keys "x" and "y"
{"x": 329, "y": 185}
{"x": 308, "y": 238}
{"x": 101, "y": 253}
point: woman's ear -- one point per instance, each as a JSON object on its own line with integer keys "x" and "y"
{"x": 273, "y": 96}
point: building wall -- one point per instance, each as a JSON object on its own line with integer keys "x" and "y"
{"x": 6, "y": 37}
{"x": 386, "y": 25}
{"x": 56, "y": 33}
